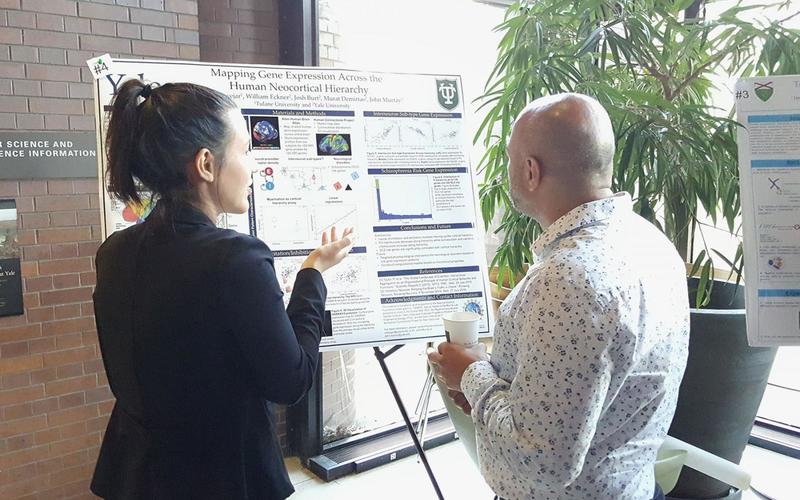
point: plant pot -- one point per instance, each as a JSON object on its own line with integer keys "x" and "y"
{"x": 721, "y": 389}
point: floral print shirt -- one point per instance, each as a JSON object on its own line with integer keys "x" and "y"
{"x": 590, "y": 348}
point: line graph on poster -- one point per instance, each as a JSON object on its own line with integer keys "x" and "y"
{"x": 382, "y": 132}
{"x": 304, "y": 224}
{"x": 447, "y": 132}
{"x": 324, "y": 218}
{"x": 413, "y": 132}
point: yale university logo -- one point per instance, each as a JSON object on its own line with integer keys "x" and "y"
{"x": 447, "y": 92}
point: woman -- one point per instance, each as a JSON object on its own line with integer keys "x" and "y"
{"x": 194, "y": 334}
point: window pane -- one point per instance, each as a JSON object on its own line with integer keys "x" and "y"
{"x": 413, "y": 36}
{"x": 356, "y": 396}
{"x": 781, "y": 402}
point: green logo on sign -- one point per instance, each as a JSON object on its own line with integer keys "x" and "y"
{"x": 447, "y": 92}
{"x": 764, "y": 90}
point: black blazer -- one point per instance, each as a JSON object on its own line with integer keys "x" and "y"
{"x": 196, "y": 343}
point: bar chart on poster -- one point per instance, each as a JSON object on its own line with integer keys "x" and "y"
{"x": 385, "y": 153}
{"x": 394, "y": 202}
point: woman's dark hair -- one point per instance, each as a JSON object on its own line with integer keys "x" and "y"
{"x": 154, "y": 132}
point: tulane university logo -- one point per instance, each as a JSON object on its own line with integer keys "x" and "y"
{"x": 447, "y": 92}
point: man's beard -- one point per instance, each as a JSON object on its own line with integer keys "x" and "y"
{"x": 515, "y": 200}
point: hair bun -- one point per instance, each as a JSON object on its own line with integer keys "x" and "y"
{"x": 146, "y": 91}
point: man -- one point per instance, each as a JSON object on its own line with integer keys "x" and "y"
{"x": 591, "y": 345}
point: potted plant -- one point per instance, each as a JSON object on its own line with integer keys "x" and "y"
{"x": 652, "y": 64}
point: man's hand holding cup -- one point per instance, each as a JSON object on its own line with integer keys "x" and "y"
{"x": 461, "y": 350}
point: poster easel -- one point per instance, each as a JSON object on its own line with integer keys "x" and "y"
{"x": 381, "y": 357}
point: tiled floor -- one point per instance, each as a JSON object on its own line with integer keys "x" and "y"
{"x": 773, "y": 474}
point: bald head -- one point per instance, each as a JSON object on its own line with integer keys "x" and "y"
{"x": 571, "y": 136}
{"x": 561, "y": 155}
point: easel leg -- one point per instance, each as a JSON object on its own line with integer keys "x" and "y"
{"x": 381, "y": 356}
{"x": 425, "y": 399}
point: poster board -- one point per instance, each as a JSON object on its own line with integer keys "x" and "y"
{"x": 769, "y": 171}
{"x": 386, "y": 153}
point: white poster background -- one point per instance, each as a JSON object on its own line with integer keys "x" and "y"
{"x": 769, "y": 170}
{"x": 386, "y": 153}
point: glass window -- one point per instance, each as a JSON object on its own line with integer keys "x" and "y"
{"x": 781, "y": 402}
{"x": 457, "y": 37}
{"x": 413, "y": 36}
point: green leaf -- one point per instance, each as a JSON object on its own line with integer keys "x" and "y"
{"x": 727, "y": 260}
{"x": 675, "y": 153}
{"x": 703, "y": 295}
{"x": 697, "y": 263}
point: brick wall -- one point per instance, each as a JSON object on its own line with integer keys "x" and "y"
{"x": 54, "y": 398}
{"x": 44, "y": 44}
{"x": 53, "y": 392}
{"x": 239, "y": 31}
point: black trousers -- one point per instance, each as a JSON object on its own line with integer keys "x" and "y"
{"x": 657, "y": 494}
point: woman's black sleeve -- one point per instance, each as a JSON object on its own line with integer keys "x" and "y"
{"x": 280, "y": 345}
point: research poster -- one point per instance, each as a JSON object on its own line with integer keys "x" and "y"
{"x": 769, "y": 168}
{"x": 385, "y": 153}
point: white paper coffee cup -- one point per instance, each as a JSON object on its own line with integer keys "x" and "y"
{"x": 461, "y": 328}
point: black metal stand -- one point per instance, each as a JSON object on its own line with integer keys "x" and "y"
{"x": 382, "y": 360}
